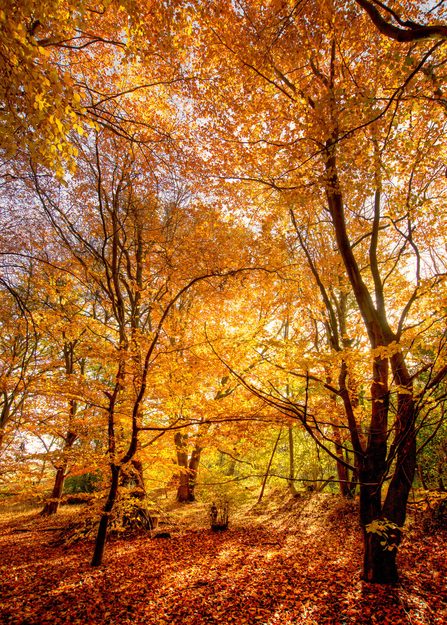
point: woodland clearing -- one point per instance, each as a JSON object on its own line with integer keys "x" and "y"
{"x": 284, "y": 561}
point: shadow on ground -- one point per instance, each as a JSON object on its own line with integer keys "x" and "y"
{"x": 298, "y": 566}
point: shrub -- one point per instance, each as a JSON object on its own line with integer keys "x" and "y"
{"x": 85, "y": 483}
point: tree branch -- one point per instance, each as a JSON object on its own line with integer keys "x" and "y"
{"x": 416, "y": 32}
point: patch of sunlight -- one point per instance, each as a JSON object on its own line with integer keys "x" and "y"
{"x": 125, "y": 549}
{"x": 419, "y": 604}
{"x": 226, "y": 555}
{"x": 63, "y": 560}
{"x": 182, "y": 577}
{"x": 280, "y": 616}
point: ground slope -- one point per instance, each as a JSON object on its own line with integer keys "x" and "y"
{"x": 286, "y": 561}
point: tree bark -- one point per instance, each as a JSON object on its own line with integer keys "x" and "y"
{"x": 291, "y": 481}
{"x": 421, "y": 476}
{"x": 51, "y": 507}
{"x": 268, "y": 468}
{"x": 231, "y": 468}
{"x": 193, "y": 469}
{"x": 182, "y": 463}
{"x": 342, "y": 471}
{"x": 139, "y": 475}
{"x": 374, "y": 462}
{"x": 412, "y": 32}
{"x": 379, "y": 564}
{"x": 102, "y": 530}
{"x": 187, "y": 470}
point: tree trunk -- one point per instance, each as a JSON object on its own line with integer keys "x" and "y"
{"x": 354, "y": 477}
{"x": 193, "y": 469}
{"x": 231, "y": 468}
{"x": 52, "y": 505}
{"x": 182, "y": 463}
{"x": 291, "y": 480}
{"x": 139, "y": 476}
{"x": 135, "y": 474}
{"x": 342, "y": 471}
{"x": 374, "y": 462}
{"x": 379, "y": 563}
{"x": 268, "y": 468}
{"x": 421, "y": 476}
{"x": 187, "y": 470}
{"x": 440, "y": 473}
{"x": 102, "y": 530}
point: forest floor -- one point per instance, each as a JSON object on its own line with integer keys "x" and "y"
{"x": 284, "y": 561}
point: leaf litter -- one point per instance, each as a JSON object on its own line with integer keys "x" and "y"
{"x": 287, "y": 561}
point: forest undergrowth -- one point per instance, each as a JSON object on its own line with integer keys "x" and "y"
{"x": 284, "y": 561}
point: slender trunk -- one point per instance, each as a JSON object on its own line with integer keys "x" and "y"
{"x": 380, "y": 559}
{"x": 231, "y": 468}
{"x": 4, "y": 416}
{"x": 52, "y": 505}
{"x": 182, "y": 463}
{"x": 421, "y": 477}
{"x": 187, "y": 475}
{"x": 139, "y": 476}
{"x": 403, "y": 447}
{"x": 291, "y": 480}
{"x": 342, "y": 471}
{"x": 379, "y": 563}
{"x": 193, "y": 469}
{"x": 102, "y": 530}
{"x": 440, "y": 473}
{"x": 268, "y": 468}
{"x": 354, "y": 476}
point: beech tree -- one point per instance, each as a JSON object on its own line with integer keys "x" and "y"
{"x": 309, "y": 138}
{"x": 321, "y": 129}
{"x": 128, "y": 245}
{"x": 64, "y": 333}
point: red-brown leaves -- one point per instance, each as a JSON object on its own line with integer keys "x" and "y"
{"x": 264, "y": 574}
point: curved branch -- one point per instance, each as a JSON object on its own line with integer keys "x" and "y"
{"x": 416, "y": 32}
